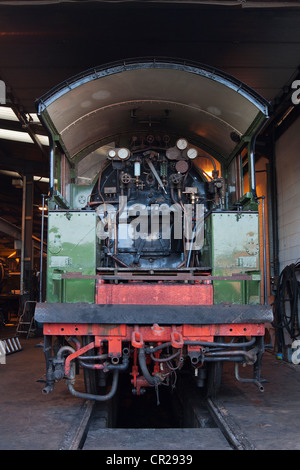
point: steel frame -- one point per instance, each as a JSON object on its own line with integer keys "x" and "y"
{"x": 115, "y": 335}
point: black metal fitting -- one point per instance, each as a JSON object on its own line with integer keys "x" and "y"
{"x": 49, "y": 377}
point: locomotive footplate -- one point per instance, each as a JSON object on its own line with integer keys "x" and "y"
{"x": 149, "y": 314}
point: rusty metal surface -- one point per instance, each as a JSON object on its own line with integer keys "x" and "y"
{"x": 154, "y": 294}
{"x": 148, "y": 333}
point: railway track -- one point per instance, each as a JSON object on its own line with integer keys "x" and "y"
{"x": 202, "y": 424}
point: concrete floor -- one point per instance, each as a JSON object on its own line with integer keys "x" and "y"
{"x": 270, "y": 420}
{"x": 33, "y": 421}
{"x": 29, "y": 419}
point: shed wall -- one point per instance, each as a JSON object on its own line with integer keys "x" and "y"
{"x": 288, "y": 187}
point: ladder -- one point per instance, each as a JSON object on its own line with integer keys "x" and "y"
{"x": 26, "y": 324}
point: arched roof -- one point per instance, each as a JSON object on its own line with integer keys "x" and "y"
{"x": 209, "y": 108}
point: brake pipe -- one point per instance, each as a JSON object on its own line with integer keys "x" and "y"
{"x": 150, "y": 349}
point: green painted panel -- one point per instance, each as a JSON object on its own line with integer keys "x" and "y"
{"x": 229, "y": 292}
{"x": 253, "y": 289}
{"x": 235, "y": 243}
{"x": 233, "y": 248}
{"x": 71, "y": 248}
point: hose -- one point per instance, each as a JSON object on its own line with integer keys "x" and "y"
{"x": 93, "y": 358}
{"x": 64, "y": 349}
{"x": 157, "y": 348}
{"x": 149, "y": 350}
{"x": 70, "y": 380}
{"x": 166, "y": 359}
{"x": 105, "y": 366}
{"x": 220, "y": 354}
{"x": 286, "y": 304}
{"x": 152, "y": 380}
{"x": 223, "y": 345}
{"x": 90, "y": 396}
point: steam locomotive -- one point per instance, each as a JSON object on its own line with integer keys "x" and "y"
{"x": 153, "y": 264}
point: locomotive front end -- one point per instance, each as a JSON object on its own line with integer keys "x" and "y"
{"x": 153, "y": 265}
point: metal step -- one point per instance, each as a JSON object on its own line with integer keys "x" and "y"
{"x": 9, "y": 346}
